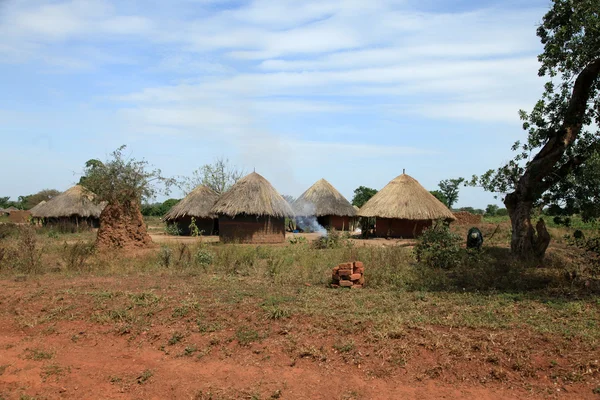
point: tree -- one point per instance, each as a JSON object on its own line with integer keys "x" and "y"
{"x": 491, "y": 210}
{"x": 362, "y": 194}
{"x": 440, "y": 196}
{"x": 5, "y": 202}
{"x": 219, "y": 176}
{"x": 122, "y": 183}
{"x": 449, "y": 188}
{"x": 33, "y": 200}
{"x": 158, "y": 209}
{"x": 290, "y": 199}
{"x": 562, "y": 129}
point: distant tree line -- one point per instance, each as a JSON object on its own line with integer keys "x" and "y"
{"x": 29, "y": 201}
{"x": 158, "y": 209}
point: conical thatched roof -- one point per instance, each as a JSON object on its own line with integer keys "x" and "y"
{"x": 37, "y": 207}
{"x": 253, "y": 195}
{"x": 405, "y": 198}
{"x": 323, "y": 199}
{"x": 197, "y": 204}
{"x": 74, "y": 202}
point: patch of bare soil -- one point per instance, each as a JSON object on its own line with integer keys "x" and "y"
{"x": 122, "y": 227}
{"x": 166, "y": 337}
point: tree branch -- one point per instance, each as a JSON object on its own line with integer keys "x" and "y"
{"x": 532, "y": 183}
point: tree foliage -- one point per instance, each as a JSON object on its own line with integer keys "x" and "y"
{"x": 121, "y": 180}
{"x": 219, "y": 176}
{"x": 563, "y": 125}
{"x": 158, "y": 209}
{"x": 32, "y": 200}
{"x": 362, "y": 194}
{"x": 491, "y": 210}
{"x": 450, "y": 189}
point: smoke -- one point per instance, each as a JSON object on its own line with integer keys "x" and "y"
{"x": 306, "y": 219}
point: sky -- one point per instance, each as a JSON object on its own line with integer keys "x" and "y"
{"x": 353, "y": 91}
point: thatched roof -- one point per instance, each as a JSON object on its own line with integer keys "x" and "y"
{"x": 253, "y": 195}
{"x": 323, "y": 199}
{"x": 405, "y": 198}
{"x": 74, "y": 202}
{"x": 37, "y": 207}
{"x": 197, "y": 204}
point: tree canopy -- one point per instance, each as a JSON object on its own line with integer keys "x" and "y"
{"x": 449, "y": 189}
{"x": 32, "y": 200}
{"x": 219, "y": 176}
{"x": 120, "y": 180}
{"x": 362, "y": 194}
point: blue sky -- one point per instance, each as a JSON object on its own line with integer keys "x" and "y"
{"x": 352, "y": 91}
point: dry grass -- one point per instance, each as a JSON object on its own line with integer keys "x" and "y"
{"x": 497, "y": 319}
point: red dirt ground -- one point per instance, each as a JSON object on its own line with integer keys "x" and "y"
{"x": 86, "y": 359}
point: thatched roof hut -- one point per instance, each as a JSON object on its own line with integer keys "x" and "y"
{"x": 37, "y": 207}
{"x": 323, "y": 199}
{"x": 404, "y": 208}
{"x": 253, "y": 195}
{"x": 252, "y": 211}
{"x": 324, "y": 202}
{"x": 197, "y": 204}
{"x": 75, "y": 205}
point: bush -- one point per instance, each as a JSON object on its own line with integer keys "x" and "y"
{"x": 438, "y": 247}
{"x": 298, "y": 240}
{"x": 333, "y": 240}
{"x": 165, "y": 256}
{"x": 24, "y": 254}
{"x": 203, "y": 257}
{"x": 8, "y": 230}
{"x": 75, "y": 256}
{"x": 173, "y": 229}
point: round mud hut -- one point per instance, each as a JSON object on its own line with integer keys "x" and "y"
{"x": 252, "y": 212}
{"x": 404, "y": 208}
{"x": 71, "y": 210}
{"x": 327, "y": 205}
{"x": 197, "y": 205}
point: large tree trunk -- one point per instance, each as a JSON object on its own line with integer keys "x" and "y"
{"x": 122, "y": 226}
{"x": 526, "y": 241}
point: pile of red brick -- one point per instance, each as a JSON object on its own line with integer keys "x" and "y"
{"x": 349, "y": 275}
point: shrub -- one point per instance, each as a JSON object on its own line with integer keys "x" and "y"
{"x": 75, "y": 255}
{"x": 8, "y": 230}
{"x": 438, "y": 247}
{"x": 298, "y": 240}
{"x": 172, "y": 229}
{"x": 203, "y": 257}
{"x": 333, "y": 240}
{"x": 194, "y": 231}
{"x": 165, "y": 256}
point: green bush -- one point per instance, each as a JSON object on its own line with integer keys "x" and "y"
{"x": 333, "y": 240}
{"x": 438, "y": 247}
{"x": 203, "y": 257}
{"x": 172, "y": 229}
